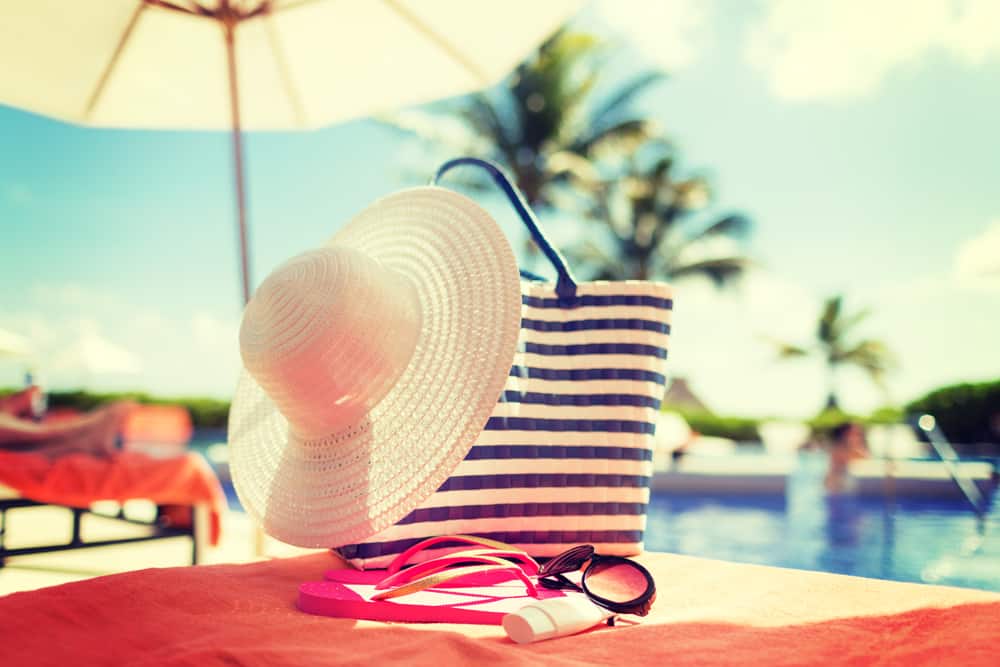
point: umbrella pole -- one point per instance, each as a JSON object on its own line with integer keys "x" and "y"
{"x": 257, "y": 540}
{"x": 237, "y": 136}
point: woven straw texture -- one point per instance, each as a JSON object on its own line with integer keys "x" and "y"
{"x": 353, "y": 483}
{"x": 566, "y": 456}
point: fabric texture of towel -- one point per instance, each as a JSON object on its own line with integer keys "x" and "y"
{"x": 707, "y": 612}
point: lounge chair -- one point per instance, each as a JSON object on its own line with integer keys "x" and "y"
{"x": 153, "y": 466}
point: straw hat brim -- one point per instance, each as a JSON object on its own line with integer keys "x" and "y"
{"x": 383, "y": 467}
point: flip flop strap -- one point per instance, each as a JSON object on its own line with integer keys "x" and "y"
{"x": 436, "y": 565}
{"x": 527, "y": 563}
{"x": 432, "y": 580}
{"x": 402, "y": 559}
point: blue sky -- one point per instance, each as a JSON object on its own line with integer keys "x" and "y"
{"x": 868, "y": 160}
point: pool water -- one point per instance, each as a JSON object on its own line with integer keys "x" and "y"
{"x": 939, "y": 542}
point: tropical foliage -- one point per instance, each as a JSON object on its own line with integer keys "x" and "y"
{"x": 545, "y": 118}
{"x": 572, "y": 140}
{"x": 837, "y": 344}
{"x": 649, "y": 227}
{"x": 205, "y": 412}
{"x": 967, "y": 413}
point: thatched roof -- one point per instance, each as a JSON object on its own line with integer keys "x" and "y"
{"x": 679, "y": 395}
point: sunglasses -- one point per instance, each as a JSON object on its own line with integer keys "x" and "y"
{"x": 616, "y": 583}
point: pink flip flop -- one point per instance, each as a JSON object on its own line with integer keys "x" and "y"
{"x": 482, "y": 605}
{"x": 383, "y": 579}
{"x": 494, "y": 580}
{"x": 487, "y": 551}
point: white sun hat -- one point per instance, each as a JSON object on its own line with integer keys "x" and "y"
{"x": 371, "y": 364}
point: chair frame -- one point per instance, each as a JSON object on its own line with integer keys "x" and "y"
{"x": 77, "y": 541}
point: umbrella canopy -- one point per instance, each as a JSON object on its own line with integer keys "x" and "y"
{"x": 256, "y": 64}
{"x": 301, "y": 63}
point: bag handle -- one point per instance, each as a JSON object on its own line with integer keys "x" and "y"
{"x": 566, "y": 283}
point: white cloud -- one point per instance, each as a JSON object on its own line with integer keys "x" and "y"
{"x": 672, "y": 33}
{"x": 817, "y": 49}
{"x": 92, "y": 354}
{"x": 977, "y": 262}
{"x": 13, "y": 345}
{"x": 99, "y": 340}
{"x": 37, "y": 329}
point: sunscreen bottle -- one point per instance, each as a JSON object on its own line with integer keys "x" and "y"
{"x": 555, "y": 617}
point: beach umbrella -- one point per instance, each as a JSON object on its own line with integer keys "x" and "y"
{"x": 256, "y": 64}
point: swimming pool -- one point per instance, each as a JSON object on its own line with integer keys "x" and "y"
{"x": 921, "y": 541}
{"x": 939, "y": 542}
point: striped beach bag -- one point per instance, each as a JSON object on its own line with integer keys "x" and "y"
{"x": 566, "y": 456}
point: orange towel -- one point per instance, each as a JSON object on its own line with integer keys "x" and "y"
{"x": 79, "y": 480}
{"x": 165, "y": 424}
{"x": 706, "y": 613}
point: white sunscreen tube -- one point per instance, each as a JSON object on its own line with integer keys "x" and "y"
{"x": 555, "y": 617}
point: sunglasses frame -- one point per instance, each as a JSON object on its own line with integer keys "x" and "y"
{"x": 551, "y": 575}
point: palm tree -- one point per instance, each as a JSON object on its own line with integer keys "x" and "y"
{"x": 566, "y": 143}
{"x": 834, "y": 343}
{"x": 649, "y": 230}
{"x": 544, "y": 117}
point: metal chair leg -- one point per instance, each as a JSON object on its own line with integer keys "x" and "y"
{"x": 3, "y": 530}
{"x": 194, "y": 536}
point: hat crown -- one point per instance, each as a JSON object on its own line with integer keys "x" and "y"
{"x": 327, "y": 335}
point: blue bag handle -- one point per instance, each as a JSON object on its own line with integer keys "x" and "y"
{"x": 566, "y": 283}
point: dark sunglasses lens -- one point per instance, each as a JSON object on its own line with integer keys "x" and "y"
{"x": 617, "y": 581}
{"x": 568, "y": 561}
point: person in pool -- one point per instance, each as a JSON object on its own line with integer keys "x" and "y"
{"x": 847, "y": 444}
{"x": 95, "y": 433}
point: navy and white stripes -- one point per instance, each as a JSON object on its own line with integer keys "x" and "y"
{"x": 565, "y": 457}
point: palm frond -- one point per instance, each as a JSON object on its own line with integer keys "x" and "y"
{"x": 790, "y": 351}
{"x": 846, "y": 323}
{"x": 737, "y": 226}
{"x": 579, "y": 170}
{"x": 666, "y": 223}
{"x": 722, "y": 271}
{"x": 566, "y": 48}
{"x": 872, "y": 356}
{"x": 625, "y": 94}
{"x": 601, "y": 264}
{"x": 483, "y": 118}
{"x": 660, "y": 171}
{"x": 828, "y": 320}
{"x": 622, "y": 137}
